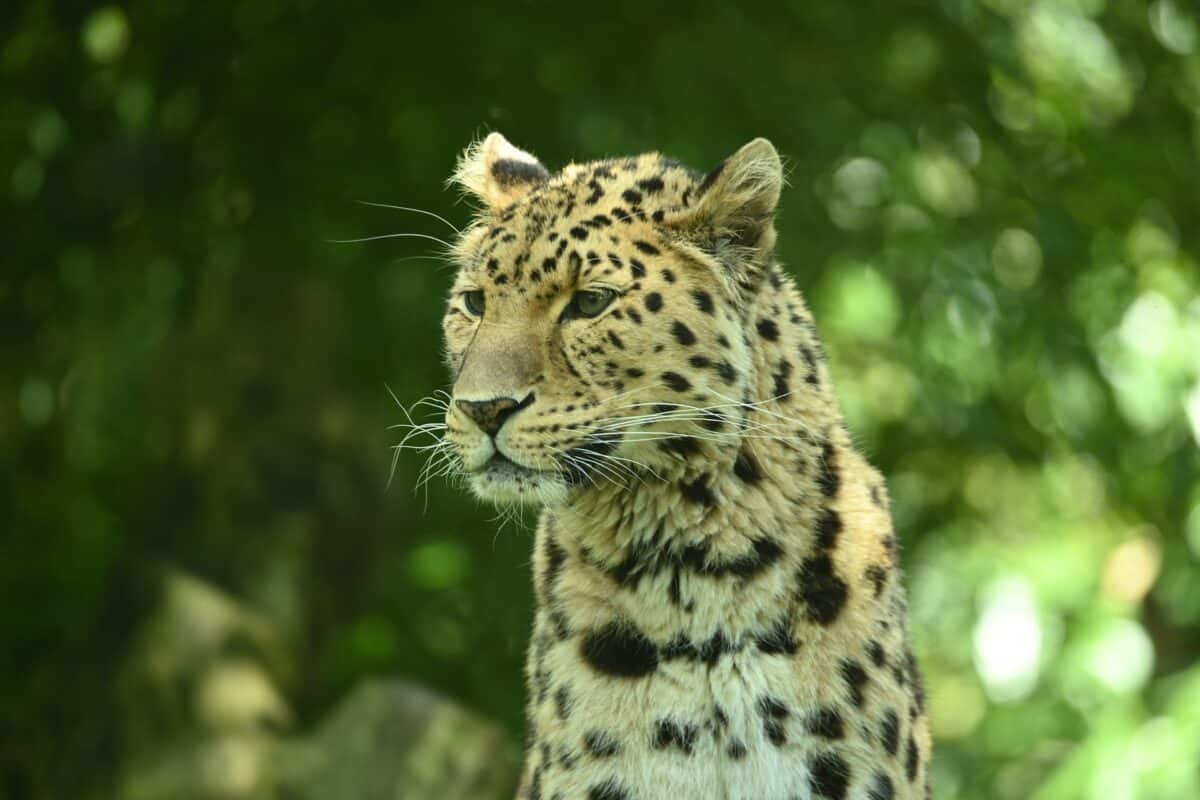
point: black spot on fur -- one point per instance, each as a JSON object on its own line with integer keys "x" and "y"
{"x": 768, "y": 330}
{"x": 631, "y": 196}
{"x": 674, "y": 590}
{"x": 889, "y": 731}
{"x": 826, "y": 723}
{"x": 829, "y": 480}
{"x": 619, "y": 650}
{"x": 829, "y": 775}
{"x": 910, "y": 760}
{"x": 646, "y": 248}
{"x": 856, "y": 679}
{"x": 773, "y": 712}
{"x": 708, "y": 651}
{"x": 555, "y": 558}
{"x": 579, "y": 232}
{"x": 877, "y": 576}
{"x": 726, "y": 372}
{"x": 810, "y": 362}
{"x": 829, "y": 525}
{"x": 777, "y": 640}
{"x": 720, "y": 718}
{"x": 616, "y": 340}
{"x": 637, "y": 268}
{"x": 781, "y": 374}
{"x": 597, "y": 192}
{"x": 765, "y": 553}
{"x": 651, "y": 185}
{"x": 703, "y": 299}
{"x": 676, "y": 382}
{"x": 680, "y": 445}
{"x": 877, "y": 496}
{"x": 823, "y": 592}
{"x": 535, "y": 783}
{"x": 609, "y": 790}
{"x": 875, "y": 651}
{"x": 736, "y": 750}
{"x": 600, "y": 744}
{"x": 914, "y": 675}
{"x": 698, "y": 492}
{"x": 746, "y": 468}
{"x": 882, "y": 789}
{"x": 682, "y": 333}
{"x": 668, "y": 733}
{"x": 562, "y": 702}
{"x": 653, "y": 301}
{"x": 562, "y": 626}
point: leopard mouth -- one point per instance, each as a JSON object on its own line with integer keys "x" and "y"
{"x": 502, "y": 480}
{"x": 501, "y": 466}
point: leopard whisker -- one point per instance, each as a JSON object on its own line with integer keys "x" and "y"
{"x": 438, "y": 217}
{"x": 378, "y": 237}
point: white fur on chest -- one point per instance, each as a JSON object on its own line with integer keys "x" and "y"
{"x": 714, "y": 709}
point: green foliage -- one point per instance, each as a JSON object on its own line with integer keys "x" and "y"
{"x": 993, "y": 210}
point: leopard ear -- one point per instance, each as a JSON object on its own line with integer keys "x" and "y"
{"x": 736, "y": 201}
{"x": 496, "y": 172}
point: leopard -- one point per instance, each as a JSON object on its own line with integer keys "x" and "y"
{"x": 719, "y": 609}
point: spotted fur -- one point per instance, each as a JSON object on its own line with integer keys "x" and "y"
{"x": 719, "y": 612}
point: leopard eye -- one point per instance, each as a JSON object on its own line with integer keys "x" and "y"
{"x": 589, "y": 303}
{"x": 473, "y": 300}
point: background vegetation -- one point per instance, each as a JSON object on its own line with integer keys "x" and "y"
{"x": 993, "y": 209}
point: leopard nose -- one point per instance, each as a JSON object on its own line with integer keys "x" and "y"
{"x": 490, "y": 415}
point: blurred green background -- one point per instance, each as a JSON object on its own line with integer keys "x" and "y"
{"x": 993, "y": 209}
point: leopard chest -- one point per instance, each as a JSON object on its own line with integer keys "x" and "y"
{"x": 684, "y": 719}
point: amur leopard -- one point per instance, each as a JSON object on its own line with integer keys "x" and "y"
{"x": 719, "y": 611}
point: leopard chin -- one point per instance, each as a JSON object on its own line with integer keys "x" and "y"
{"x": 502, "y": 481}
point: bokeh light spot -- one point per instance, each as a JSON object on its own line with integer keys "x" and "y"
{"x": 859, "y": 186}
{"x": 864, "y": 304}
{"x": 1008, "y": 640}
{"x": 1122, "y": 656}
{"x": 945, "y": 184}
{"x": 1017, "y": 258}
{"x": 1173, "y": 27}
{"x": 106, "y": 34}
{"x": 1149, "y": 325}
{"x": 1131, "y": 569}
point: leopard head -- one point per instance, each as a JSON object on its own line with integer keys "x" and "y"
{"x": 597, "y": 331}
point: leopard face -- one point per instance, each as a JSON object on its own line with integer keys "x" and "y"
{"x": 595, "y": 331}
